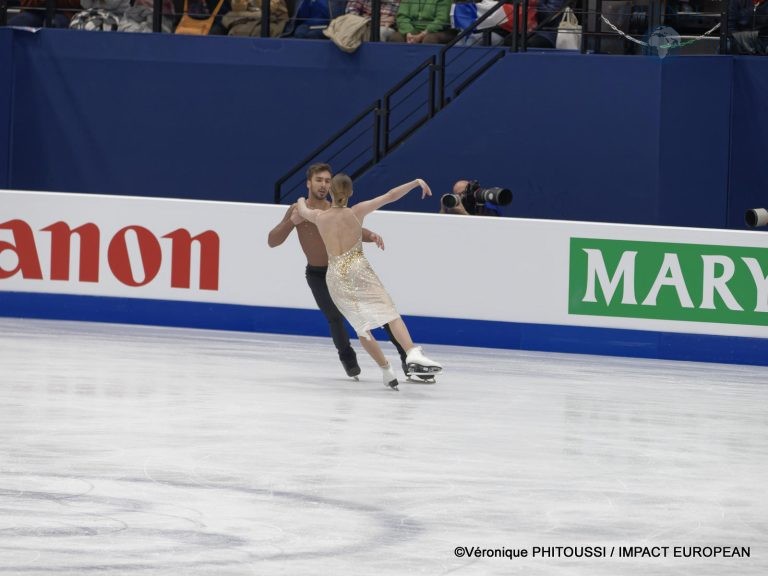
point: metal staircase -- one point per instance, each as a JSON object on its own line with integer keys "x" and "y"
{"x": 405, "y": 108}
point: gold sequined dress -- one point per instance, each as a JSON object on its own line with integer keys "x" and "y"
{"x": 358, "y": 292}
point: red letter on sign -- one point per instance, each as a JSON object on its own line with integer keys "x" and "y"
{"x": 25, "y": 249}
{"x": 61, "y": 237}
{"x": 120, "y": 262}
{"x": 181, "y": 250}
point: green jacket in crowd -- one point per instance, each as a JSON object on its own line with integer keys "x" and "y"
{"x": 415, "y": 16}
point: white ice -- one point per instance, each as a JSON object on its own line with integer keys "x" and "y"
{"x": 152, "y": 451}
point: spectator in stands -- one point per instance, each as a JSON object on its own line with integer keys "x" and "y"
{"x": 245, "y": 18}
{"x": 32, "y": 14}
{"x": 100, "y": 15}
{"x": 387, "y": 16}
{"x": 748, "y": 26}
{"x": 424, "y": 22}
{"x": 139, "y": 17}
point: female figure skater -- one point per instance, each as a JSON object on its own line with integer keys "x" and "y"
{"x": 352, "y": 283}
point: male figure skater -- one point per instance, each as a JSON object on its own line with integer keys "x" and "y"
{"x": 318, "y": 188}
{"x": 353, "y": 285}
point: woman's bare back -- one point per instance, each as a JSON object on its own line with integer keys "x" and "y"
{"x": 340, "y": 229}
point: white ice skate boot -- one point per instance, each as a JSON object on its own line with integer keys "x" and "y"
{"x": 390, "y": 380}
{"x": 420, "y": 365}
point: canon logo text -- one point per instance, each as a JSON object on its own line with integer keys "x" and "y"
{"x": 121, "y": 265}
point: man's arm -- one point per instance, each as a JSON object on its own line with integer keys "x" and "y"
{"x": 306, "y": 212}
{"x": 369, "y": 236}
{"x": 404, "y": 17}
{"x": 279, "y": 233}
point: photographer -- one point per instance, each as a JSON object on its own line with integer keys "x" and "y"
{"x": 467, "y": 199}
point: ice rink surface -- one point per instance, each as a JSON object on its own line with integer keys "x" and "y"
{"x": 142, "y": 451}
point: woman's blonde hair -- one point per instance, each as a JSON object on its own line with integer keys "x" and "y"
{"x": 341, "y": 189}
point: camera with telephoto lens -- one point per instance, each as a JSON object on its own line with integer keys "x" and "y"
{"x": 474, "y": 196}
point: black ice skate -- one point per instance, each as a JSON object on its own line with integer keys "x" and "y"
{"x": 419, "y": 365}
{"x": 351, "y": 367}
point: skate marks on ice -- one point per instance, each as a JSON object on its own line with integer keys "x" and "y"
{"x": 138, "y": 450}
{"x": 49, "y": 529}
{"x": 102, "y": 467}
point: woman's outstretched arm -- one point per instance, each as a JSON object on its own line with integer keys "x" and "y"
{"x": 364, "y": 208}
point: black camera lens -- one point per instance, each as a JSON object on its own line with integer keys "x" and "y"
{"x": 450, "y": 200}
{"x": 496, "y": 196}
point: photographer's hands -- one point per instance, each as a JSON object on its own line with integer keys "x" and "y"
{"x": 458, "y": 209}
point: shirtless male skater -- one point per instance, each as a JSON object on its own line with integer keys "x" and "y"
{"x": 353, "y": 285}
{"x": 318, "y": 189}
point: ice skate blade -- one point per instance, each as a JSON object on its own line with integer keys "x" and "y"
{"x": 392, "y": 384}
{"x": 353, "y": 372}
{"x": 422, "y": 379}
{"x": 419, "y": 370}
{"x": 355, "y": 378}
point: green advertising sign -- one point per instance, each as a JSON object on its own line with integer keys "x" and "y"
{"x": 693, "y": 282}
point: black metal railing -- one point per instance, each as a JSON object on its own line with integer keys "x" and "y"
{"x": 395, "y": 133}
{"x": 372, "y": 134}
{"x": 406, "y": 107}
{"x": 457, "y": 49}
{"x": 338, "y": 149}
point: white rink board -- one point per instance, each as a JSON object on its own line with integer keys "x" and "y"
{"x": 479, "y": 268}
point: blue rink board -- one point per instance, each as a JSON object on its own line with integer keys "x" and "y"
{"x": 450, "y": 331}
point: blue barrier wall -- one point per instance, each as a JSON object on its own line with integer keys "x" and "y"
{"x": 604, "y": 138}
{"x": 158, "y": 115}
{"x": 748, "y": 186}
{"x": 6, "y": 91}
{"x": 548, "y": 127}
{"x": 694, "y": 141}
{"x": 676, "y": 141}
